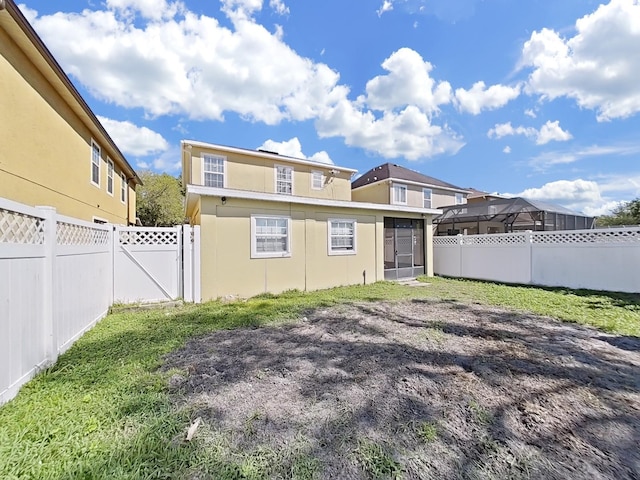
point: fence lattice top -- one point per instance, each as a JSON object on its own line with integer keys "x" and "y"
{"x": 445, "y": 240}
{"x": 517, "y": 239}
{"x": 587, "y": 237}
{"x": 20, "y": 228}
{"x": 71, "y": 234}
{"x": 148, "y": 237}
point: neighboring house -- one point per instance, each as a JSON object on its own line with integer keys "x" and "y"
{"x": 395, "y": 185}
{"x": 271, "y": 223}
{"x": 504, "y": 215}
{"x": 53, "y": 149}
{"x": 476, "y": 196}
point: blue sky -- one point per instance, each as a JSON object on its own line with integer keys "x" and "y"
{"x": 539, "y": 98}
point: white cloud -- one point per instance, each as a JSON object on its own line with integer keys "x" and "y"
{"x": 395, "y": 117}
{"x": 598, "y": 67}
{"x": 549, "y": 159}
{"x": 480, "y": 98}
{"x": 387, "y": 6}
{"x": 151, "y": 9}
{"x": 530, "y": 113}
{"x": 279, "y": 7}
{"x": 193, "y": 66}
{"x": 134, "y": 140}
{"x": 408, "y": 83}
{"x": 506, "y": 149}
{"x": 550, "y": 131}
{"x": 293, "y": 148}
{"x": 592, "y": 197}
{"x": 168, "y": 161}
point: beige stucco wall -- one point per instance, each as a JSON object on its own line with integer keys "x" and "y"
{"x": 228, "y": 269}
{"x": 382, "y": 193}
{"x": 45, "y": 149}
{"x": 375, "y": 193}
{"x": 255, "y": 173}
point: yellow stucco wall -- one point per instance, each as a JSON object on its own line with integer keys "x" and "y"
{"x": 45, "y": 148}
{"x": 228, "y": 269}
{"x": 381, "y": 193}
{"x": 257, "y": 174}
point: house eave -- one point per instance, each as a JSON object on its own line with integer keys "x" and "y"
{"x": 271, "y": 156}
{"x": 197, "y": 190}
{"x": 382, "y": 181}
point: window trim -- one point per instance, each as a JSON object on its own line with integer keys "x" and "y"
{"x": 424, "y": 199}
{"x": 255, "y": 253}
{"x": 275, "y": 175}
{"x": 124, "y": 188}
{"x": 330, "y": 250}
{"x": 93, "y": 145}
{"x": 401, "y": 186}
{"x": 314, "y": 172}
{"x": 110, "y": 171}
{"x": 224, "y": 168}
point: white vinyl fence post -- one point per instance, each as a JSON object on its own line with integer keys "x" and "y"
{"x": 197, "y": 292}
{"x": 460, "y": 259}
{"x": 187, "y": 264}
{"x": 529, "y": 242}
{"x": 48, "y": 285}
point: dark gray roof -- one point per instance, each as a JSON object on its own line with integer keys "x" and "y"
{"x": 391, "y": 170}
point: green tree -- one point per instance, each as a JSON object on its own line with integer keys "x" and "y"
{"x": 627, "y": 213}
{"x": 160, "y": 200}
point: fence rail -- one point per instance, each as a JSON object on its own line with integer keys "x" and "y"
{"x": 606, "y": 259}
{"x": 60, "y": 275}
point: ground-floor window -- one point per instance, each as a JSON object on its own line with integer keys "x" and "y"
{"x": 270, "y": 236}
{"x": 342, "y": 236}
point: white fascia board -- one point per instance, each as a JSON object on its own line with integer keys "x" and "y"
{"x": 409, "y": 182}
{"x": 271, "y": 156}
{"x": 319, "y": 202}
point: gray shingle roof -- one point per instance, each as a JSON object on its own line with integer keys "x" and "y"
{"x": 391, "y": 170}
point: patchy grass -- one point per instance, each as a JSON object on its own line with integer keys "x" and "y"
{"x": 611, "y": 312}
{"x": 104, "y": 409}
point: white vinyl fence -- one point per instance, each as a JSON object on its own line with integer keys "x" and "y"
{"x": 59, "y": 276}
{"x": 607, "y": 259}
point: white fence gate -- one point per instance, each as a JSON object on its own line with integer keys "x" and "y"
{"x": 606, "y": 259}
{"x": 59, "y": 276}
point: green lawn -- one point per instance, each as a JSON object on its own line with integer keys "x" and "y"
{"x": 103, "y": 410}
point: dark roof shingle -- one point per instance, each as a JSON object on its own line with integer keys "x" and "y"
{"x": 391, "y": 170}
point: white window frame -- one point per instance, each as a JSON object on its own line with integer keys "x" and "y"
{"x": 254, "y": 235}
{"x": 330, "y": 235}
{"x": 399, "y": 187}
{"x": 124, "y": 187}
{"x": 275, "y": 170}
{"x": 314, "y": 177}
{"x": 459, "y": 199}
{"x": 223, "y": 173}
{"x": 95, "y": 147}
{"x": 110, "y": 181}
{"x": 427, "y": 196}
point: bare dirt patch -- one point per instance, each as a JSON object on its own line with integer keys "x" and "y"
{"x": 418, "y": 389}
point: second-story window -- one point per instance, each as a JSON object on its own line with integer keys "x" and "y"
{"x": 213, "y": 169}
{"x": 109, "y": 176}
{"x": 399, "y": 194}
{"x": 459, "y": 199}
{"x": 95, "y": 163}
{"x": 426, "y": 197}
{"x": 284, "y": 180}
{"x": 123, "y": 188}
{"x": 316, "y": 179}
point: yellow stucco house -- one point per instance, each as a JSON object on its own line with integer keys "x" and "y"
{"x": 271, "y": 223}
{"x": 53, "y": 149}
